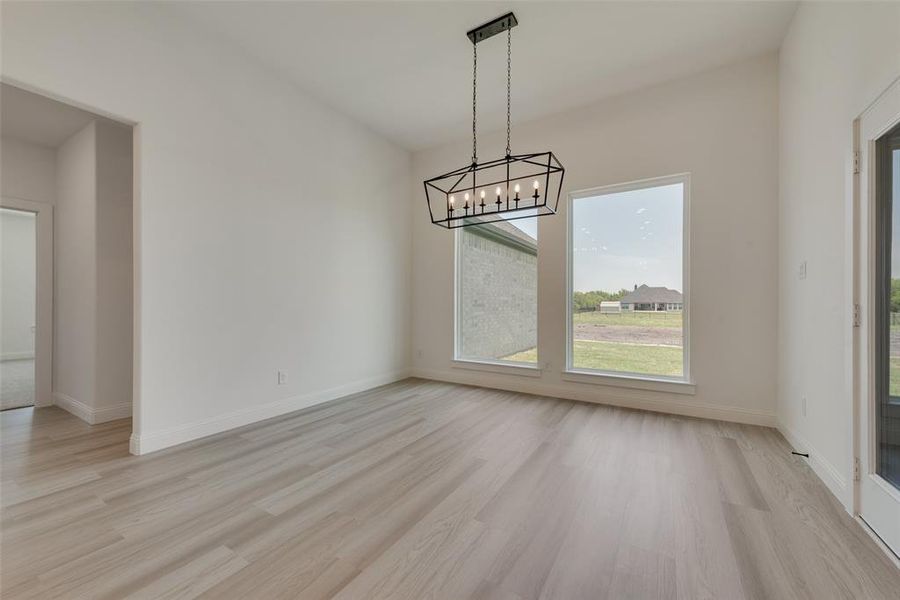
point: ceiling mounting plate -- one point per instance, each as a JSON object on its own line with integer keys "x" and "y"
{"x": 498, "y": 25}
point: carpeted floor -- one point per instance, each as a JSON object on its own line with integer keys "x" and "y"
{"x": 16, "y": 383}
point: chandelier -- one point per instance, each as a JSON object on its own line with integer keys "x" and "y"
{"x": 517, "y": 186}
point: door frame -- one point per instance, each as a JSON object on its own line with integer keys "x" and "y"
{"x": 43, "y": 334}
{"x": 881, "y": 116}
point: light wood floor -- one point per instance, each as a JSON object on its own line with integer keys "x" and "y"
{"x": 428, "y": 490}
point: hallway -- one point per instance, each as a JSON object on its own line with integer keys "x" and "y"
{"x": 16, "y": 383}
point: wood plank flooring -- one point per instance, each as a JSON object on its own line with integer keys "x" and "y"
{"x": 427, "y": 490}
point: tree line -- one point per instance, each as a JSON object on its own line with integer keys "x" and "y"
{"x": 584, "y": 301}
{"x": 895, "y": 295}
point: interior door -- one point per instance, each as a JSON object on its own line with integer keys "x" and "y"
{"x": 879, "y": 401}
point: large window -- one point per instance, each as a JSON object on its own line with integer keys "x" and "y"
{"x": 496, "y": 292}
{"x": 628, "y": 292}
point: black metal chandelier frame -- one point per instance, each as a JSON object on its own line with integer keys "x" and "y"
{"x": 507, "y": 200}
{"x": 476, "y": 209}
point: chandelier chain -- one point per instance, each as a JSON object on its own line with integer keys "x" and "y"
{"x": 508, "y": 81}
{"x": 474, "y": 102}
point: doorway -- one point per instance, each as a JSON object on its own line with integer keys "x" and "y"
{"x": 18, "y": 297}
{"x": 68, "y": 172}
{"x": 877, "y": 293}
{"x": 26, "y": 280}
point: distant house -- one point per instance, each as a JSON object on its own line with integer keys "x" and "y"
{"x": 652, "y": 298}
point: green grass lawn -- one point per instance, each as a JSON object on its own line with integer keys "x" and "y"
{"x": 614, "y": 356}
{"x": 636, "y": 319}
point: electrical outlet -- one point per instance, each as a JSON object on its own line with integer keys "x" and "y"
{"x": 803, "y": 405}
{"x": 282, "y": 377}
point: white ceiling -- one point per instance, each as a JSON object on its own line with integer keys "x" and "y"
{"x": 38, "y": 119}
{"x": 404, "y": 68}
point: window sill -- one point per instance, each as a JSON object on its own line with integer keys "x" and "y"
{"x": 631, "y": 381}
{"x": 506, "y": 368}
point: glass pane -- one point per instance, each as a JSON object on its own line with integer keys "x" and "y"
{"x": 497, "y": 286}
{"x": 17, "y": 305}
{"x": 627, "y": 302}
{"x": 887, "y": 410}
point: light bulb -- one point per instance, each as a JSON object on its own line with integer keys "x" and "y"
{"x": 517, "y": 188}
{"x": 467, "y": 196}
{"x": 498, "y": 190}
{"x": 536, "y": 184}
{"x": 452, "y": 199}
{"x": 482, "y": 193}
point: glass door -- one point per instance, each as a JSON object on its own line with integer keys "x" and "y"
{"x": 886, "y": 416}
{"x": 877, "y": 340}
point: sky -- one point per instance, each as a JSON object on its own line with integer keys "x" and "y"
{"x": 529, "y": 226}
{"x": 628, "y": 238}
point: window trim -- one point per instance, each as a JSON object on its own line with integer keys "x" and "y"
{"x": 623, "y": 380}
{"x": 485, "y": 364}
{"x": 604, "y": 377}
{"x": 506, "y": 367}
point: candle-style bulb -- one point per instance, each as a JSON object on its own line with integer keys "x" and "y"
{"x": 517, "y": 188}
{"x": 536, "y": 184}
{"x": 482, "y": 193}
{"x": 466, "y": 197}
{"x": 452, "y": 200}
{"x": 498, "y": 190}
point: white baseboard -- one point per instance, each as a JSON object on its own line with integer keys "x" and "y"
{"x": 17, "y": 355}
{"x": 89, "y": 414}
{"x": 111, "y": 413}
{"x": 151, "y": 441}
{"x": 653, "y": 401}
{"x": 70, "y": 404}
{"x": 829, "y": 474}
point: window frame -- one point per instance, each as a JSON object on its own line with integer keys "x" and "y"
{"x": 682, "y": 384}
{"x": 508, "y": 367}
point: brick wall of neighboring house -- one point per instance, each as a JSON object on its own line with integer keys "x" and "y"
{"x": 498, "y": 293}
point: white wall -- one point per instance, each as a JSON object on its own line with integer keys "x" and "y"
{"x": 721, "y": 126}
{"x": 17, "y": 284}
{"x": 75, "y": 273}
{"x": 93, "y": 279}
{"x": 114, "y": 300}
{"x": 29, "y": 171}
{"x": 264, "y": 217}
{"x": 835, "y": 60}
